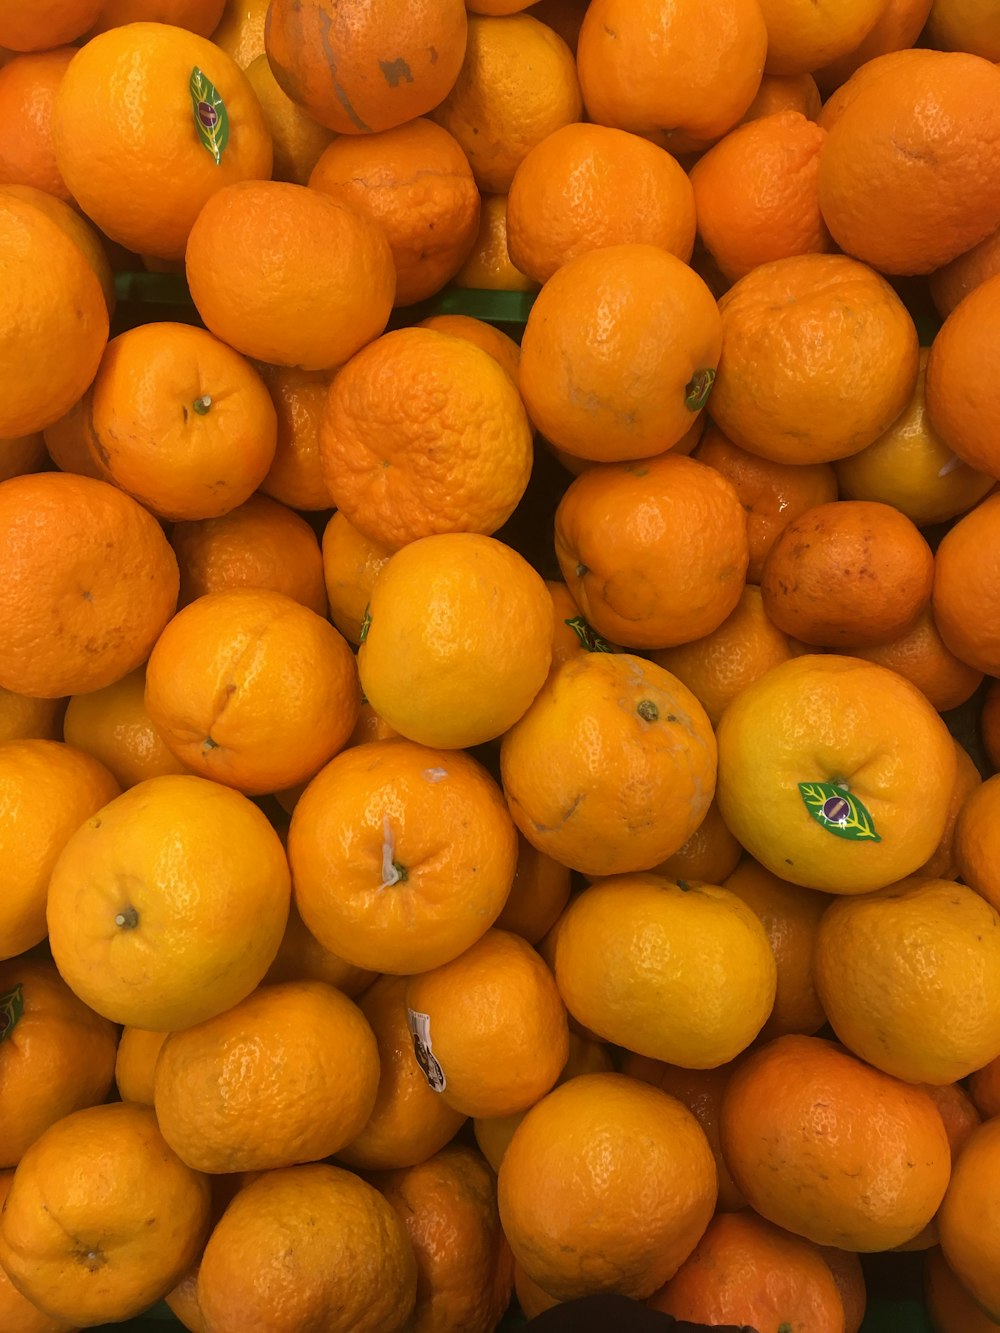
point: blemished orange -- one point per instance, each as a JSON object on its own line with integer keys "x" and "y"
{"x": 710, "y": 854}
{"x": 897, "y": 27}
{"x": 489, "y": 1027}
{"x": 772, "y": 493}
{"x": 612, "y": 768}
{"x": 827, "y": 398}
{"x": 942, "y": 864}
{"x": 24, "y": 453}
{"x": 489, "y": 266}
{"x": 287, "y": 1075}
{"x": 955, "y": 280}
{"x": 906, "y": 175}
{"x": 415, "y": 182}
{"x": 501, "y": 346}
{"x": 539, "y": 892}
{"x": 301, "y": 957}
{"x": 785, "y": 1117}
{"x": 653, "y": 552}
{"x": 910, "y": 979}
{"x": 785, "y": 92}
{"x": 465, "y": 1270}
{"x": 977, "y": 840}
{"x": 518, "y": 83}
{"x": 669, "y": 75}
{"x": 180, "y": 421}
{"x": 389, "y": 66}
{"x": 114, "y": 727}
{"x": 718, "y": 665}
{"x": 791, "y": 917}
{"x": 258, "y": 544}
{"x": 28, "y": 86}
{"x": 297, "y": 139}
{"x": 114, "y": 152}
{"x": 51, "y": 23}
{"x": 47, "y": 789}
{"x": 586, "y": 186}
{"x": 619, "y": 353}
{"x": 921, "y": 655}
{"x": 566, "y": 1188}
{"x": 351, "y": 564}
{"x": 683, "y": 973}
{"x": 966, "y": 596}
{"x": 860, "y": 808}
{"x": 967, "y": 1220}
{"x": 135, "y": 1064}
{"x": 382, "y": 438}
{"x": 101, "y": 1192}
{"x": 851, "y": 573}
{"x": 56, "y": 1056}
{"x": 911, "y": 468}
{"x": 288, "y": 275}
{"x": 240, "y": 31}
{"x": 148, "y": 924}
{"x": 984, "y": 1089}
{"x": 24, "y": 718}
{"x": 757, "y": 195}
{"x": 295, "y": 477}
{"x": 409, "y": 1122}
{"x": 201, "y": 16}
{"x": 308, "y": 1243}
{"x": 951, "y": 1308}
{"x": 802, "y": 37}
{"x": 401, "y": 855}
{"x": 745, "y": 1269}
{"x": 47, "y": 361}
{"x": 989, "y": 723}
{"x": 962, "y": 406}
{"x": 251, "y": 688}
{"x": 16, "y": 1311}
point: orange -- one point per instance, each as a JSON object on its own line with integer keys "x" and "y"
{"x": 101, "y": 1218}
{"x": 966, "y": 587}
{"x": 181, "y": 422}
{"x": 802, "y": 36}
{"x": 870, "y": 72}
{"x": 964, "y": 25}
{"x": 962, "y": 404}
{"x": 968, "y": 1218}
{"x": 976, "y": 838}
{"x": 717, "y": 666}
{"x": 669, "y": 74}
{"x": 28, "y": 85}
{"x": 757, "y": 195}
{"x": 949, "y": 1305}
{"x": 955, "y": 280}
{"x": 898, "y": 25}
{"x": 70, "y": 441}
{"x": 958, "y": 1112}
{"x": 56, "y": 1055}
{"x": 772, "y": 493}
{"x": 709, "y": 855}
{"x": 240, "y": 31}
{"x": 852, "y": 573}
{"x": 906, "y": 176}
{"x": 416, "y": 183}
{"x": 24, "y": 718}
{"x": 587, "y": 186}
{"x": 367, "y": 68}
{"x": 296, "y": 138}
{"x": 571, "y": 633}
{"x": 744, "y": 1269}
{"x": 301, "y": 957}
{"x": 501, "y": 346}
{"x": 835, "y": 773}
{"x": 989, "y": 723}
{"x": 113, "y": 726}
{"x": 568, "y": 1203}
{"x": 287, "y": 1075}
{"x": 457, "y": 639}
{"x": 201, "y": 16}
{"x": 424, "y": 433}
{"x": 910, "y": 979}
{"x": 251, "y": 688}
{"x": 148, "y": 924}
{"x": 49, "y": 24}
{"x": 288, "y": 275}
{"x": 920, "y": 655}
{"x": 47, "y": 789}
{"x": 489, "y": 1029}
{"x": 784, "y": 92}
{"x": 822, "y": 1145}
{"x": 984, "y": 1089}
{"x": 910, "y": 467}
{"x": 16, "y": 1311}
{"x": 295, "y": 477}
{"x": 532, "y": 1300}
{"x": 311, "y": 1245}
{"x": 612, "y": 768}
{"x": 489, "y": 265}
{"x": 258, "y": 544}
{"x": 25, "y": 453}
{"x": 114, "y": 152}
{"x": 619, "y": 352}
{"x": 401, "y": 856}
{"x": 464, "y": 1265}
{"x": 409, "y": 1121}
{"x": 538, "y": 894}
{"x": 77, "y": 228}
{"x": 832, "y": 396}
{"x": 47, "y": 361}
{"x": 680, "y": 972}
{"x": 135, "y": 1064}
{"x": 791, "y": 917}
{"x": 517, "y": 84}
{"x": 653, "y": 552}
{"x": 942, "y": 864}
{"x": 351, "y": 564}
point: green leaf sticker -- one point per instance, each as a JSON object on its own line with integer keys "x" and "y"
{"x": 697, "y": 389}
{"x": 838, "y": 811}
{"x": 588, "y": 636}
{"x": 366, "y": 624}
{"x": 11, "y": 1009}
{"x": 211, "y": 119}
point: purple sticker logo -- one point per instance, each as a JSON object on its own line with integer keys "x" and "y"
{"x": 208, "y": 115}
{"x": 838, "y": 811}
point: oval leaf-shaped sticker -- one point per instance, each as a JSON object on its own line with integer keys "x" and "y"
{"x": 11, "y": 1009}
{"x": 211, "y": 119}
{"x": 838, "y": 811}
{"x": 588, "y": 636}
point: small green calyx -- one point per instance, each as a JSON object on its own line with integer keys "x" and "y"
{"x": 588, "y": 636}
{"x": 202, "y": 404}
{"x": 11, "y": 1009}
{"x": 697, "y": 389}
{"x": 647, "y": 710}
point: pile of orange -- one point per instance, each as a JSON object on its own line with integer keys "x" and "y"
{"x": 495, "y": 810}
